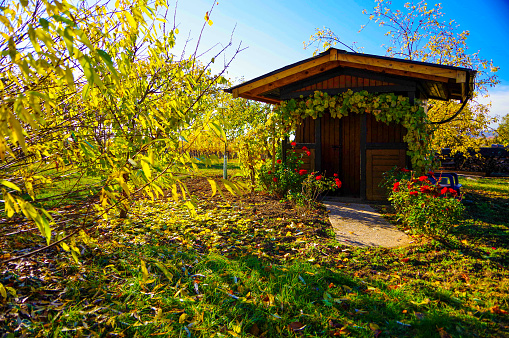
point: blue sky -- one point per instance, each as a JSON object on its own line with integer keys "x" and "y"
{"x": 274, "y": 32}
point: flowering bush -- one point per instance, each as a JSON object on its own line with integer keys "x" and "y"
{"x": 289, "y": 181}
{"x": 285, "y": 177}
{"x": 314, "y": 186}
{"x": 427, "y": 208}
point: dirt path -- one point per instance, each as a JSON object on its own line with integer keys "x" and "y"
{"x": 360, "y": 225}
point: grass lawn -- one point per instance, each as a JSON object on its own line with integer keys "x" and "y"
{"x": 252, "y": 266}
{"x": 232, "y": 167}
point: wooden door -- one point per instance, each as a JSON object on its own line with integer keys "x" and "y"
{"x": 331, "y": 145}
{"x": 379, "y": 161}
{"x": 341, "y": 151}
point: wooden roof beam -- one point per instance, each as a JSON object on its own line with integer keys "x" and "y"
{"x": 395, "y": 72}
{"x": 458, "y": 75}
{"x": 306, "y": 66}
{"x": 260, "y": 98}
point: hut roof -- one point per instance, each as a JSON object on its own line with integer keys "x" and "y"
{"x": 383, "y": 74}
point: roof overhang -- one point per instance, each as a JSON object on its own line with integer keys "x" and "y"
{"x": 429, "y": 80}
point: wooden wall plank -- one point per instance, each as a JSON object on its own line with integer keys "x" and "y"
{"x": 357, "y": 163}
{"x": 342, "y": 81}
{"x": 336, "y": 82}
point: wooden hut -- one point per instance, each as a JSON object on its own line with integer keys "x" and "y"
{"x": 357, "y": 147}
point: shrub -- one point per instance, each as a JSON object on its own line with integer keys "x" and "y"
{"x": 288, "y": 180}
{"x": 284, "y": 178}
{"x": 426, "y": 208}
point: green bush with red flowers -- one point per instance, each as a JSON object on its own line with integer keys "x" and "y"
{"x": 427, "y": 208}
{"x": 314, "y": 185}
{"x": 288, "y": 180}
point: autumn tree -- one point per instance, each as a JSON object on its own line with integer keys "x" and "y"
{"x": 420, "y": 32}
{"x": 94, "y": 93}
{"x": 503, "y": 131}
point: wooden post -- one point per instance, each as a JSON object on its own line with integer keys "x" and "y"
{"x": 411, "y": 97}
{"x": 318, "y": 144}
{"x": 364, "y": 134}
{"x": 411, "y": 100}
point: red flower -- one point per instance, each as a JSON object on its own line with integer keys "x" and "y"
{"x": 319, "y": 177}
{"x": 308, "y": 153}
{"x": 453, "y": 192}
{"x": 303, "y": 172}
{"x": 425, "y": 189}
{"x": 335, "y": 175}
{"x": 278, "y": 161}
{"x": 338, "y": 182}
{"x": 295, "y": 169}
{"x": 431, "y": 173}
{"x": 270, "y": 172}
{"x": 293, "y": 144}
{"x": 274, "y": 179}
{"x": 443, "y": 191}
{"x": 423, "y": 178}
{"x": 414, "y": 193}
{"x": 404, "y": 170}
{"x": 304, "y": 148}
{"x": 395, "y": 187}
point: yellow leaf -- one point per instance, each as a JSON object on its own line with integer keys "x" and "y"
{"x": 131, "y": 20}
{"x": 17, "y": 132}
{"x": 3, "y": 292}
{"x": 144, "y": 271}
{"x": 182, "y": 318}
{"x": 159, "y": 314}
{"x": 210, "y": 22}
{"x": 164, "y": 270}
{"x": 30, "y": 189}
{"x": 213, "y": 186}
{"x": 69, "y": 77}
{"x": 374, "y": 327}
{"x": 10, "y": 185}
{"x": 146, "y": 168}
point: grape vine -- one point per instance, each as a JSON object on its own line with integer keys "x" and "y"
{"x": 386, "y": 108}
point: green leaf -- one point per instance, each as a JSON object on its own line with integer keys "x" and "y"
{"x": 44, "y": 23}
{"x": 62, "y": 20}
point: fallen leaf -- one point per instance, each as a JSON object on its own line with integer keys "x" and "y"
{"x": 255, "y": 330}
{"x": 296, "y": 326}
{"x": 334, "y": 324}
{"x": 497, "y": 310}
{"x": 442, "y": 333}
